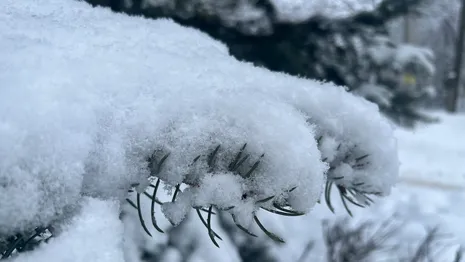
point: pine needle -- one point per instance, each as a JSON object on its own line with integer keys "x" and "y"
{"x": 139, "y": 212}
{"x": 233, "y": 164}
{"x": 211, "y": 157}
{"x": 205, "y": 223}
{"x": 264, "y": 200}
{"x": 209, "y": 226}
{"x": 268, "y": 233}
{"x": 176, "y": 191}
{"x": 152, "y": 207}
{"x": 328, "y": 187}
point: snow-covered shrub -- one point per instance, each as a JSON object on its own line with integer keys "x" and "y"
{"x": 94, "y": 104}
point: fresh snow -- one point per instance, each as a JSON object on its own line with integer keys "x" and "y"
{"x": 430, "y": 192}
{"x": 95, "y": 234}
{"x": 287, "y": 10}
{"x": 88, "y": 96}
{"x": 299, "y": 10}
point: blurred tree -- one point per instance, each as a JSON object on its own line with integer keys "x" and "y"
{"x": 349, "y": 50}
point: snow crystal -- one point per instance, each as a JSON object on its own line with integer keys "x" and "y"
{"x": 96, "y": 234}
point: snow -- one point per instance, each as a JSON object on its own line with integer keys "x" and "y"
{"x": 251, "y": 17}
{"x": 90, "y": 95}
{"x": 407, "y": 53}
{"x": 299, "y": 10}
{"x": 223, "y": 187}
{"x": 87, "y": 102}
{"x": 430, "y": 192}
{"x": 95, "y": 234}
{"x": 437, "y": 149}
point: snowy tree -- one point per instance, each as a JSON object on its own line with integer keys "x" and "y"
{"x": 439, "y": 19}
{"x": 325, "y": 40}
{"x": 98, "y": 108}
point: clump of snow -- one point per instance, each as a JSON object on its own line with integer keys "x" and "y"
{"x": 424, "y": 56}
{"x": 299, "y": 10}
{"x": 382, "y": 51}
{"x": 175, "y": 212}
{"x": 243, "y": 215}
{"x": 196, "y": 128}
{"x": 222, "y": 190}
{"x": 95, "y": 234}
{"x": 243, "y": 15}
{"x": 91, "y": 95}
{"x": 253, "y": 17}
{"x": 328, "y": 148}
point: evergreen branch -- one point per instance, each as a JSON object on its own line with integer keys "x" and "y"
{"x": 21, "y": 242}
{"x": 14, "y": 245}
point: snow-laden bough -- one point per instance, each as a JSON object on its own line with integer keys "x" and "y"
{"x": 96, "y": 104}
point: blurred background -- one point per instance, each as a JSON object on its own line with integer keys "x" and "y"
{"x": 404, "y": 55}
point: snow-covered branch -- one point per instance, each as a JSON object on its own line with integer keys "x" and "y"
{"x": 95, "y": 103}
